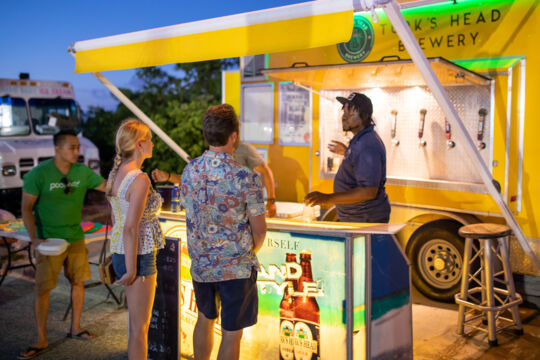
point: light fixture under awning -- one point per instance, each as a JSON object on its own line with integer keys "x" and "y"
{"x": 286, "y": 28}
{"x": 375, "y": 74}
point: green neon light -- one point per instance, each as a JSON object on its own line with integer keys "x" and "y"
{"x": 501, "y": 63}
{"x": 443, "y": 7}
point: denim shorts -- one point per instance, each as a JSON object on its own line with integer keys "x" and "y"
{"x": 146, "y": 264}
{"x": 237, "y": 298}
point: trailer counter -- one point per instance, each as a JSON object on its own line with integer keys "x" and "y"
{"x": 356, "y": 269}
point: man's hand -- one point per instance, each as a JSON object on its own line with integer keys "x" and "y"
{"x": 160, "y": 176}
{"x": 337, "y": 147}
{"x": 34, "y": 244}
{"x": 127, "y": 279}
{"x": 318, "y": 198}
{"x": 271, "y": 209}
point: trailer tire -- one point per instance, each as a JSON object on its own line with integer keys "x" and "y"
{"x": 436, "y": 254}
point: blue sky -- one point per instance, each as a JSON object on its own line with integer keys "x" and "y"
{"x": 36, "y": 34}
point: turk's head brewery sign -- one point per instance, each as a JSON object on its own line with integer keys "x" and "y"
{"x": 464, "y": 29}
{"x": 361, "y": 42}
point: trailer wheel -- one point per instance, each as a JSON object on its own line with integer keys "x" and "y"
{"x": 436, "y": 254}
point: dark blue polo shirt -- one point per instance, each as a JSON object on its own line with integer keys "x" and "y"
{"x": 364, "y": 164}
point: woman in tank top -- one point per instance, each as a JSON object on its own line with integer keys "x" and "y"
{"x": 136, "y": 235}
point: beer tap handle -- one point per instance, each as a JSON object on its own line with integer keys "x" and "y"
{"x": 481, "y": 124}
{"x": 448, "y": 134}
{"x": 395, "y": 141}
{"x": 421, "y": 141}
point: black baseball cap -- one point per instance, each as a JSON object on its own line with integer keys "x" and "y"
{"x": 359, "y": 101}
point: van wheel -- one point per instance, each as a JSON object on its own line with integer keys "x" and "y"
{"x": 436, "y": 254}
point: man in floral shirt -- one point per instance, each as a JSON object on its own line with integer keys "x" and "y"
{"x": 225, "y": 228}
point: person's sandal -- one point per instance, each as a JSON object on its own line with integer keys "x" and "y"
{"x": 83, "y": 335}
{"x": 35, "y": 352}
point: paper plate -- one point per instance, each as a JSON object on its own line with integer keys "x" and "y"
{"x": 52, "y": 247}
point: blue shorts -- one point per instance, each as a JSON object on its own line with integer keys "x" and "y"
{"x": 146, "y": 264}
{"x": 238, "y": 299}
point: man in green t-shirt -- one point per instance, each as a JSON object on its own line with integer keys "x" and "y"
{"x": 53, "y": 197}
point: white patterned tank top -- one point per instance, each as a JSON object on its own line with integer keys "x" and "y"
{"x": 150, "y": 234}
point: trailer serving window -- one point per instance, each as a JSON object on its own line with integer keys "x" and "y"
{"x": 420, "y": 146}
{"x": 51, "y": 115}
{"x": 13, "y": 117}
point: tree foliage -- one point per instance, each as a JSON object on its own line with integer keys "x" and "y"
{"x": 175, "y": 104}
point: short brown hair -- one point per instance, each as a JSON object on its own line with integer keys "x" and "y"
{"x": 219, "y": 123}
{"x": 60, "y": 137}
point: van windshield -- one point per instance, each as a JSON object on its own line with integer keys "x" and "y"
{"x": 51, "y": 115}
{"x": 13, "y": 117}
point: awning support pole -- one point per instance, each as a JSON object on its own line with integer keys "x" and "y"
{"x": 142, "y": 116}
{"x": 393, "y": 13}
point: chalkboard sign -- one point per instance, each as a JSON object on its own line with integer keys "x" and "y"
{"x": 163, "y": 332}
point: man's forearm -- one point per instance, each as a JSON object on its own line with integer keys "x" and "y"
{"x": 258, "y": 240}
{"x": 29, "y": 223}
{"x": 268, "y": 180}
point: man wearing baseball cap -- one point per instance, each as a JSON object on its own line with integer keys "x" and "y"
{"x": 359, "y": 185}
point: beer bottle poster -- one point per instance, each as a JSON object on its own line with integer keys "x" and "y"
{"x": 297, "y": 317}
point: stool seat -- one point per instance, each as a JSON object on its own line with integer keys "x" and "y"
{"x": 484, "y": 231}
{"x": 487, "y": 292}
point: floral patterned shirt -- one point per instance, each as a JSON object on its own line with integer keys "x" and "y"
{"x": 219, "y": 195}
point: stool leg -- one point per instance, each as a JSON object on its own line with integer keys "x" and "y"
{"x": 510, "y": 283}
{"x": 464, "y": 284}
{"x": 492, "y": 334}
{"x": 482, "y": 250}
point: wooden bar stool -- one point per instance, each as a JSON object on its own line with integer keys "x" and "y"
{"x": 495, "y": 300}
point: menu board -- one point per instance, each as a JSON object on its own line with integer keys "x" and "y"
{"x": 163, "y": 331}
{"x": 294, "y": 115}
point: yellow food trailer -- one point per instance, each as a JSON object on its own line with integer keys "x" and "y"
{"x": 479, "y": 51}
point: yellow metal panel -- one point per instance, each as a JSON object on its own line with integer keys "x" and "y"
{"x": 290, "y": 165}
{"x": 442, "y": 199}
{"x": 285, "y": 35}
{"x": 231, "y": 90}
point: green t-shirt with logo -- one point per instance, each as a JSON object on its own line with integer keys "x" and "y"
{"x": 58, "y": 215}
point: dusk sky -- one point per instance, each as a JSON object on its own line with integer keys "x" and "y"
{"x": 37, "y": 34}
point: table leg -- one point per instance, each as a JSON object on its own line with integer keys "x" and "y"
{"x": 8, "y": 246}
{"x": 30, "y": 258}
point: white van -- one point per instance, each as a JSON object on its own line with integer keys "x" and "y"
{"x": 31, "y": 112}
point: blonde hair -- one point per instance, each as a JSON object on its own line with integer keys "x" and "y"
{"x": 127, "y": 135}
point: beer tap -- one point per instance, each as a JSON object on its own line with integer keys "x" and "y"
{"x": 448, "y": 132}
{"x": 421, "y": 141}
{"x": 480, "y": 134}
{"x": 395, "y": 141}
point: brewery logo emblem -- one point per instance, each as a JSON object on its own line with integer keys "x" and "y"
{"x": 361, "y": 42}
{"x": 306, "y": 345}
{"x": 286, "y": 346}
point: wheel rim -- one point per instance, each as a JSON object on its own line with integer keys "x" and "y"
{"x": 440, "y": 263}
